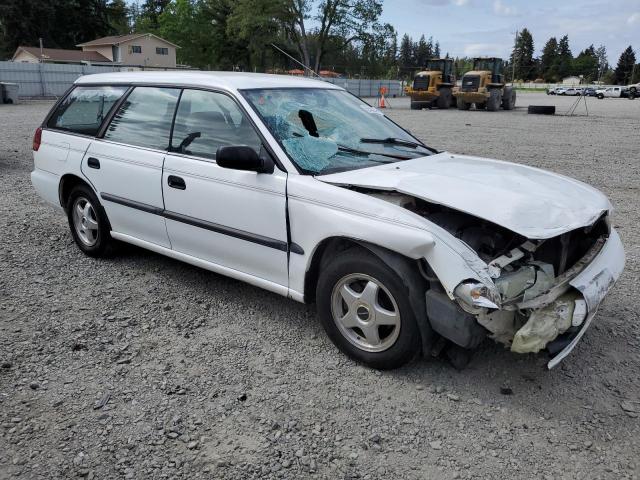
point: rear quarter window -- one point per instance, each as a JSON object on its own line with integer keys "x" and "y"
{"x": 84, "y": 109}
{"x": 144, "y": 119}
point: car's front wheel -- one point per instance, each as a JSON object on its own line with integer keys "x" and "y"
{"x": 364, "y": 308}
{"x": 88, "y": 222}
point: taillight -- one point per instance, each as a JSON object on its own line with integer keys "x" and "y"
{"x": 37, "y": 138}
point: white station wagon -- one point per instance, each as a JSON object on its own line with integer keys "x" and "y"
{"x": 298, "y": 187}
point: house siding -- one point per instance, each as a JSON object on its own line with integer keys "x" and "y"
{"x": 105, "y": 51}
{"x": 148, "y": 57}
{"x": 23, "y": 56}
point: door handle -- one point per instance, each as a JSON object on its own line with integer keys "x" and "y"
{"x": 176, "y": 182}
{"x": 93, "y": 162}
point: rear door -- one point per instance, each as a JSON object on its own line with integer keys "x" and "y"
{"x": 233, "y": 218}
{"x": 125, "y": 165}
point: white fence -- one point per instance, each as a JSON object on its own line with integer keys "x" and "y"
{"x": 53, "y": 79}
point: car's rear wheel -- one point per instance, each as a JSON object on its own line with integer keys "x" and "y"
{"x": 364, "y": 308}
{"x": 88, "y": 222}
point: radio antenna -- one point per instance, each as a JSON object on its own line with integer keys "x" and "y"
{"x": 295, "y": 60}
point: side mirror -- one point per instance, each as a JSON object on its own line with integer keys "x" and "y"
{"x": 242, "y": 157}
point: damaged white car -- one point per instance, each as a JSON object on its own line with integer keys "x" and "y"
{"x": 296, "y": 186}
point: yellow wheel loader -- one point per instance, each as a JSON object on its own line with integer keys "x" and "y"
{"x": 485, "y": 87}
{"x": 433, "y": 87}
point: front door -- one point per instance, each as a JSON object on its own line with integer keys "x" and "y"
{"x": 125, "y": 166}
{"x": 233, "y": 218}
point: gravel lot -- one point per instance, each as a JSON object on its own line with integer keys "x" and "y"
{"x": 144, "y": 367}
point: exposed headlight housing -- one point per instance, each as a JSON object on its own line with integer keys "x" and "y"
{"x": 473, "y": 295}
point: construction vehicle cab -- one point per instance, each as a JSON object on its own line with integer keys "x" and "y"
{"x": 485, "y": 87}
{"x": 433, "y": 86}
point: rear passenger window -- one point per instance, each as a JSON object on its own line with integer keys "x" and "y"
{"x": 85, "y": 108}
{"x": 208, "y": 120}
{"x": 144, "y": 118}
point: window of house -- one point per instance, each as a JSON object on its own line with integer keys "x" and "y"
{"x": 135, "y": 49}
{"x": 85, "y": 108}
{"x": 144, "y": 118}
{"x": 208, "y": 120}
{"x": 162, "y": 51}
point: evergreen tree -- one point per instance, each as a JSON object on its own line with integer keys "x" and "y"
{"x": 436, "y": 50}
{"x": 422, "y": 53}
{"x": 549, "y": 60}
{"x": 522, "y": 56}
{"x": 624, "y": 69}
{"x": 148, "y": 18}
{"x": 586, "y": 64}
{"x": 118, "y": 16}
{"x": 60, "y": 24}
{"x": 565, "y": 58}
{"x": 405, "y": 55}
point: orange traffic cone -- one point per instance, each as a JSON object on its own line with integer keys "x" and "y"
{"x": 381, "y": 103}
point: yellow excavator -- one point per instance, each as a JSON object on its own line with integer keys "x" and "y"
{"x": 485, "y": 86}
{"x": 433, "y": 87}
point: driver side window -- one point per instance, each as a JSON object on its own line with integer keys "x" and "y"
{"x": 208, "y": 120}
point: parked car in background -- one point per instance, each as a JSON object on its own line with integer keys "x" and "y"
{"x": 627, "y": 93}
{"x": 610, "y": 92}
{"x": 298, "y": 187}
{"x": 572, "y": 92}
{"x": 561, "y": 90}
{"x": 553, "y": 90}
{"x": 634, "y": 89}
{"x": 589, "y": 92}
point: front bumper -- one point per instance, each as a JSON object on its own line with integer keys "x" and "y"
{"x": 472, "y": 97}
{"x": 594, "y": 283}
{"x": 423, "y": 96}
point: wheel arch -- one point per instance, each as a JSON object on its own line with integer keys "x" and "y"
{"x": 67, "y": 183}
{"x": 406, "y": 268}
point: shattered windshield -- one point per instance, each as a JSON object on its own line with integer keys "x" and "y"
{"x": 327, "y": 131}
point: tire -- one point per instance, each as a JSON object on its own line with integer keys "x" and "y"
{"x": 633, "y": 90}
{"x": 494, "y": 100}
{"x": 415, "y": 106}
{"x": 600, "y": 96}
{"x": 462, "y": 105}
{"x": 444, "y": 99}
{"x": 542, "y": 109}
{"x": 509, "y": 99}
{"x": 353, "y": 285}
{"x": 88, "y": 222}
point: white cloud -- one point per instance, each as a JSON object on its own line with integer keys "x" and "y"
{"x": 483, "y": 49}
{"x": 500, "y": 8}
{"x": 634, "y": 18}
{"x": 458, "y": 3}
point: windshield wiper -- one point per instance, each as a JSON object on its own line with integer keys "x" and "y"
{"x": 344, "y": 148}
{"x": 393, "y": 141}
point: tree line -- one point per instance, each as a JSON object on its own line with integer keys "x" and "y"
{"x": 345, "y": 36}
{"x": 557, "y": 62}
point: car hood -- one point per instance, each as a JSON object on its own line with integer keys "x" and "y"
{"x": 526, "y": 200}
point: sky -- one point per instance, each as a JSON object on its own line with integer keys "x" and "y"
{"x": 487, "y": 27}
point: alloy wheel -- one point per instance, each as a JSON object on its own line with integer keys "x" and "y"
{"x": 365, "y": 312}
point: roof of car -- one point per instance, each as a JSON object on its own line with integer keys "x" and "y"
{"x": 224, "y": 80}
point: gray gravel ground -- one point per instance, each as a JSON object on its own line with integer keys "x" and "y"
{"x": 144, "y": 367}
